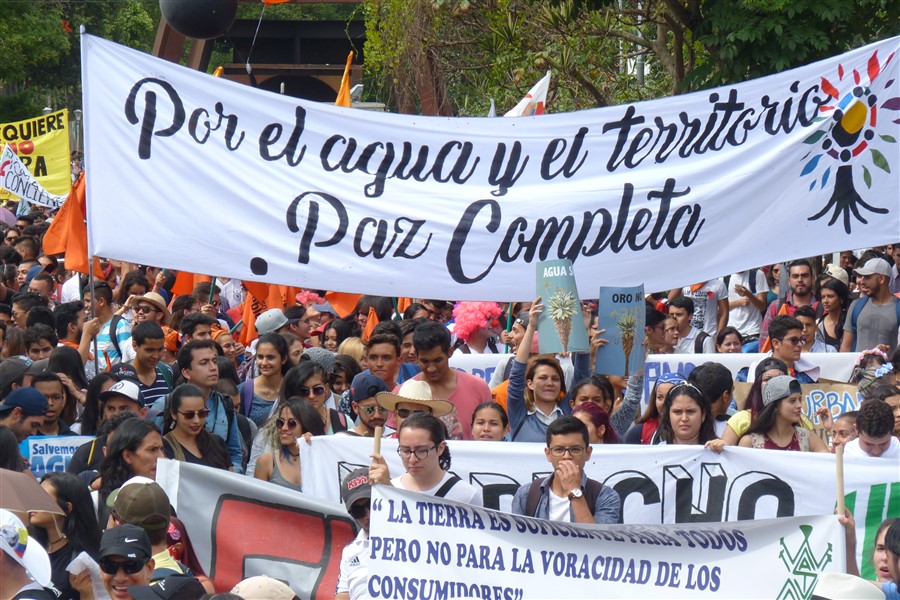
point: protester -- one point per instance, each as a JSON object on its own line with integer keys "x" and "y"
{"x": 50, "y": 386}
{"x": 875, "y": 426}
{"x": 154, "y": 378}
{"x": 600, "y": 430}
{"x": 729, "y": 341}
{"x": 64, "y": 537}
{"x": 777, "y": 426}
{"x": 24, "y": 563}
{"x": 10, "y": 457}
{"x": 490, "y": 423}
{"x": 537, "y": 394}
{"x": 309, "y": 381}
{"x": 133, "y": 450}
{"x": 476, "y": 325}
{"x": 40, "y": 340}
{"x": 568, "y": 495}
{"x": 814, "y": 341}
{"x": 263, "y": 587}
{"x": 890, "y": 394}
{"x": 65, "y": 362}
{"x": 334, "y": 334}
{"x": 691, "y": 340}
{"x": 413, "y": 397}
{"x": 93, "y": 413}
{"x": 800, "y": 281}
{"x": 710, "y": 305}
{"x": 747, "y": 301}
{"x": 880, "y": 560}
{"x": 842, "y": 429}
{"x": 356, "y": 492}
{"x": 787, "y": 341}
{"x": 114, "y": 340}
{"x": 125, "y": 560}
{"x": 835, "y": 301}
{"x": 426, "y": 458}
{"x": 363, "y": 394}
{"x": 281, "y": 464}
{"x": 646, "y": 425}
{"x": 685, "y": 418}
{"x": 186, "y": 437}
{"x": 345, "y": 370}
{"x": 234, "y": 350}
{"x": 874, "y": 318}
{"x": 737, "y": 425}
{"x": 197, "y": 363}
{"x": 259, "y": 394}
{"x": 22, "y": 411}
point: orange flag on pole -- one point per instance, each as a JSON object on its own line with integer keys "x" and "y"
{"x": 343, "y": 97}
{"x": 68, "y": 232}
{"x": 371, "y": 322}
{"x": 343, "y": 302}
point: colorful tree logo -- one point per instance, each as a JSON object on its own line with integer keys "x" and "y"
{"x": 850, "y": 132}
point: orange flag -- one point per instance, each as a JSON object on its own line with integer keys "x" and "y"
{"x": 371, "y": 322}
{"x": 403, "y": 303}
{"x": 271, "y": 2}
{"x": 252, "y": 309}
{"x": 185, "y": 282}
{"x": 343, "y": 97}
{"x": 68, "y": 232}
{"x": 343, "y": 302}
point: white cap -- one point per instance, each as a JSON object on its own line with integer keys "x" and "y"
{"x": 23, "y": 549}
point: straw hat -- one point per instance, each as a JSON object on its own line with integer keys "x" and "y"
{"x": 157, "y": 301}
{"x": 418, "y": 392}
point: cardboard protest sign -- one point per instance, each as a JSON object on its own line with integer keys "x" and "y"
{"x": 42, "y": 144}
{"x": 621, "y": 312}
{"x": 561, "y": 326}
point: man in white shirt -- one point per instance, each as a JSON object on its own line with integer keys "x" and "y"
{"x": 747, "y": 292}
{"x": 875, "y": 424}
{"x": 690, "y": 339}
{"x": 710, "y": 305}
{"x": 356, "y": 492}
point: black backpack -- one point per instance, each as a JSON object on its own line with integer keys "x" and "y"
{"x": 591, "y": 493}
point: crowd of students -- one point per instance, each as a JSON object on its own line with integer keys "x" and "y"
{"x": 152, "y": 374}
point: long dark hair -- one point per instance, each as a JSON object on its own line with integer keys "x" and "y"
{"x": 10, "y": 458}
{"x": 114, "y": 469}
{"x": 436, "y": 428}
{"x": 214, "y": 452}
{"x": 843, "y": 293}
{"x": 303, "y": 411}
{"x": 92, "y": 415}
{"x": 707, "y": 427}
{"x": 341, "y": 328}
{"x": 296, "y": 377}
{"x": 281, "y": 347}
{"x": 80, "y": 523}
{"x": 765, "y": 420}
{"x": 65, "y": 359}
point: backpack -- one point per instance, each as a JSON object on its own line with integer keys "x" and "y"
{"x": 591, "y": 493}
{"x": 448, "y": 485}
{"x": 247, "y": 397}
{"x": 751, "y": 279}
{"x": 854, "y": 316}
{"x": 698, "y": 342}
{"x": 113, "y": 325}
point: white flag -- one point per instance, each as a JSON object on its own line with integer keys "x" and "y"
{"x": 534, "y": 101}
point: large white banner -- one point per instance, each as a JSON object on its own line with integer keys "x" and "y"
{"x": 667, "y": 192}
{"x": 428, "y": 547}
{"x": 240, "y": 527}
{"x": 16, "y": 179}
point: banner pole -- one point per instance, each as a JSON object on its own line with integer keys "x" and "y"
{"x": 212, "y": 290}
{"x": 379, "y": 431}
{"x": 509, "y": 320}
{"x": 839, "y": 466}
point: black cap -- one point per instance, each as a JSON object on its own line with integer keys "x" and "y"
{"x": 127, "y": 541}
{"x": 173, "y": 587}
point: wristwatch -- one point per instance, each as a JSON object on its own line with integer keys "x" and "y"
{"x": 575, "y": 494}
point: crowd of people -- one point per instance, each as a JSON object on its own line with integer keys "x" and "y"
{"x": 152, "y": 374}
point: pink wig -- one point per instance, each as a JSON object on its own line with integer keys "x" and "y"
{"x": 469, "y": 317}
{"x": 307, "y": 297}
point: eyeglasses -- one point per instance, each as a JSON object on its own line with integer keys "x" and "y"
{"x": 316, "y": 390}
{"x": 574, "y": 451}
{"x": 145, "y": 308}
{"x": 370, "y": 410}
{"x": 111, "y": 567}
{"x": 795, "y": 341}
{"x": 291, "y": 423}
{"x": 405, "y": 412}
{"x": 421, "y": 453}
{"x": 359, "y": 510}
{"x": 190, "y": 414}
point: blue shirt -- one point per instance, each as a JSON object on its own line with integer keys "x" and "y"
{"x": 606, "y": 508}
{"x": 890, "y": 590}
{"x": 217, "y": 423}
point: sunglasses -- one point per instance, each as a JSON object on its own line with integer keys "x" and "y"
{"x": 291, "y": 423}
{"x": 358, "y": 511}
{"x": 317, "y": 390}
{"x": 111, "y": 567}
{"x": 795, "y": 341}
{"x": 370, "y": 410}
{"x": 405, "y": 412}
{"x": 190, "y": 414}
{"x": 145, "y": 308}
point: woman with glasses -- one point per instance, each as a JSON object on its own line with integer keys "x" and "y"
{"x": 309, "y": 381}
{"x": 186, "y": 438}
{"x": 685, "y": 418}
{"x": 12, "y": 234}
{"x": 281, "y": 465}
{"x": 259, "y": 394}
{"x": 778, "y": 426}
{"x": 422, "y": 446}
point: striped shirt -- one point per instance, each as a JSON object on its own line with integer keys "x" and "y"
{"x": 105, "y": 347}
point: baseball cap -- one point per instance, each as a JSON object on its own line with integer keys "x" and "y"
{"x": 837, "y": 272}
{"x": 770, "y": 363}
{"x": 365, "y": 385}
{"x": 874, "y": 266}
{"x": 263, "y": 587}
{"x": 325, "y": 307}
{"x": 356, "y": 486}
{"x": 32, "y": 402}
{"x": 12, "y": 369}
{"x": 173, "y": 587}
{"x": 23, "y": 549}
{"x": 128, "y": 541}
{"x": 142, "y": 503}
{"x": 780, "y": 387}
{"x": 271, "y": 320}
{"x": 38, "y": 367}
{"x": 126, "y": 388}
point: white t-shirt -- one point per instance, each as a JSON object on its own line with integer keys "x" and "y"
{"x": 461, "y": 492}
{"x": 70, "y": 289}
{"x": 559, "y": 508}
{"x": 852, "y": 448}
{"x": 706, "y": 303}
{"x": 354, "y": 577}
{"x": 685, "y": 344}
{"x": 746, "y": 319}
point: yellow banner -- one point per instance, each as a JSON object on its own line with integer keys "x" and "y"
{"x": 42, "y": 144}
